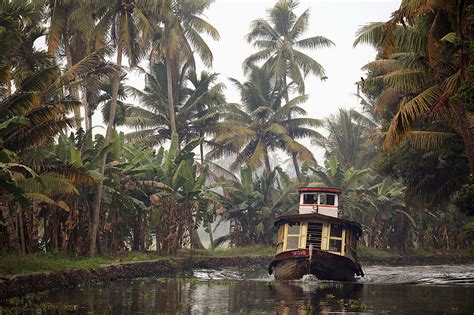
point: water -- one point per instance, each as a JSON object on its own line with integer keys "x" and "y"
{"x": 385, "y": 290}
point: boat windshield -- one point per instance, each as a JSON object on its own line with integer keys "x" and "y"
{"x": 310, "y": 199}
{"x": 327, "y": 199}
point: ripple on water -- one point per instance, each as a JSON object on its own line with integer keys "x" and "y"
{"x": 434, "y": 275}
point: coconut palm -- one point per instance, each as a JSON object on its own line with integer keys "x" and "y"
{"x": 425, "y": 65}
{"x": 279, "y": 40}
{"x": 181, "y": 26}
{"x": 347, "y": 139}
{"x": 129, "y": 27}
{"x": 104, "y": 98}
{"x": 64, "y": 33}
{"x": 197, "y": 106}
{"x": 280, "y": 43}
{"x": 262, "y": 125}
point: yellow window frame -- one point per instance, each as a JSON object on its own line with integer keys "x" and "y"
{"x": 301, "y": 236}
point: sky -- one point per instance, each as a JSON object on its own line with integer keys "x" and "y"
{"x": 337, "y": 20}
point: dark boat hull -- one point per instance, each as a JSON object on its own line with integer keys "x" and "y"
{"x": 294, "y": 265}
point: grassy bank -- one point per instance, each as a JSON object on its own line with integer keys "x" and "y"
{"x": 12, "y": 263}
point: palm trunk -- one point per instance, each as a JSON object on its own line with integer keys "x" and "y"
{"x": 10, "y": 227}
{"x": 294, "y": 156}
{"x": 268, "y": 168}
{"x": 201, "y": 150}
{"x": 87, "y": 110}
{"x": 72, "y": 90}
{"x": 297, "y": 167}
{"x": 22, "y": 229}
{"x": 33, "y": 228}
{"x": 209, "y": 227}
{"x": 98, "y": 196}
{"x": 169, "y": 78}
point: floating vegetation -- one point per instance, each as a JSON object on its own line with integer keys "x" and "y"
{"x": 34, "y": 302}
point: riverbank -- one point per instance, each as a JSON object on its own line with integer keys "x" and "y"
{"x": 418, "y": 260}
{"x": 22, "y": 274}
{"x": 15, "y": 285}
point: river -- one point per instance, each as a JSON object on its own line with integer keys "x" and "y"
{"x": 445, "y": 289}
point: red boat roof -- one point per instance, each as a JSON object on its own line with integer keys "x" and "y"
{"x": 308, "y": 216}
{"x": 319, "y": 189}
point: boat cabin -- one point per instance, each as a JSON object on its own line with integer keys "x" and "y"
{"x": 319, "y": 200}
{"x": 317, "y": 225}
{"x": 316, "y": 240}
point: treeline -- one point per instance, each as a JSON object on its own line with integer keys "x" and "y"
{"x": 403, "y": 160}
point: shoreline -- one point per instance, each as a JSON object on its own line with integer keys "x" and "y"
{"x": 417, "y": 260}
{"x": 21, "y": 284}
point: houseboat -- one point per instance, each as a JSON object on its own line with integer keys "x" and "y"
{"x": 316, "y": 240}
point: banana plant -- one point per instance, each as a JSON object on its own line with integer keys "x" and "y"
{"x": 253, "y": 203}
{"x": 177, "y": 192}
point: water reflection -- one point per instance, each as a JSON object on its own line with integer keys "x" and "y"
{"x": 234, "y": 291}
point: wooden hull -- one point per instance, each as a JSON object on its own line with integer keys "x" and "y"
{"x": 292, "y": 265}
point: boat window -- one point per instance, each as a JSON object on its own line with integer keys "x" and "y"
{"x": 335, "y": 245}
{"x": 292, "y": 242}
{"x": 310, "y": 199}
{"x": 336, "y": 230}
{"x": 294, "y": 234}
{"x": 294, "y": 228}
{"x": 330, "y": 199}
{"x": 327, "y": 199}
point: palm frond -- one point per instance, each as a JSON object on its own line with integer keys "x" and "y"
{"x": 410, "y": 112}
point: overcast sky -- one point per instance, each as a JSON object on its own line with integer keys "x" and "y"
{"x": 337, "y": 20}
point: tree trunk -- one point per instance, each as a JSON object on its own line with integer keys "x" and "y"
{"x": 294, "y": 154}
{"x": 98, "y": 195}
{"x": 22, "y": 229}
{"x": 211, "y": 237}
{"x": 201, "y": 150}
{"x": 10, "y": 227}
{"x": 72, "y": 90}
{"x": 209, "y": 227}
{"x": 33, "y": 224}
{"x": 297, "y": 167}
{"x": 268, "y": 168}
{"x": 169, "y": 79}
{"x": 87, "y": 110}
{"x": 196, "y": 240}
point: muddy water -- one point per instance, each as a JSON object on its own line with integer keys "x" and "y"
{"x": 385, "y": 290}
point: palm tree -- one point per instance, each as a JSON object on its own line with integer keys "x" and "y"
{"x": 104, "y": 97}
{"x": 279, "y": 40}
{"x": 181, "y": 26}
{"x": 197, "y": 107}
{"x": 64, "y": 32}
{"x": 347, "y": 139}
{"x": 127, "y": 22}
{"x": 425, "y": 63}
{"x": 347, "y": 178}
{"x": 262, "y": 124}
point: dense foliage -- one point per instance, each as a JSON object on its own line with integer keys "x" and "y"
{"x": 404, "y": 160}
